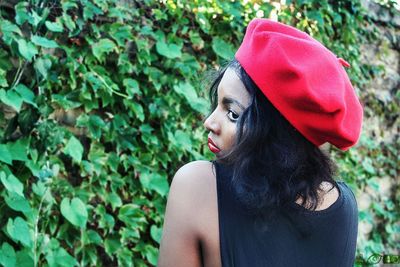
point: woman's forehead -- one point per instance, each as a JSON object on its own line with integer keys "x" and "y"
{"x": 231, "y": 86}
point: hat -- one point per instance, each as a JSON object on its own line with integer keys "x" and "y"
{"x": 304, "y": 80}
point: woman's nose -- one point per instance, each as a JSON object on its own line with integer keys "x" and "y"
{"x": 211, "y": 124}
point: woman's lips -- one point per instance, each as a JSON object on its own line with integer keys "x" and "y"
{"x": 212, "y": 146}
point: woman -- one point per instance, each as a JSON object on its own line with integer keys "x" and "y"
{"x": 269, "y": 199}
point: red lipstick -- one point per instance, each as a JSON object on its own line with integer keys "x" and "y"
{"x": 213, "y": 147}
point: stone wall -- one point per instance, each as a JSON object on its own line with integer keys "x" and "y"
{"x": 383, "y": 52}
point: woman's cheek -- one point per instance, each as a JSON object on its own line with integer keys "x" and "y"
{"x": 231, "y": 137}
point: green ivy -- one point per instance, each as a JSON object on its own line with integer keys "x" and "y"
{"x": 103, "y": 100}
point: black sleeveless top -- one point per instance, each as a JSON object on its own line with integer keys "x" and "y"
{"x": 310, "y": 238}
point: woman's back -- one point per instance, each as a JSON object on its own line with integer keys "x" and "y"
{"x": 313, "y": 238}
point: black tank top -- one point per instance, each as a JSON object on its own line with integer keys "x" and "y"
{"x": 309, "y": 238}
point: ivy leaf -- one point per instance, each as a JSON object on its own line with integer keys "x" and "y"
{"x": 74, "y": 211}
{"x": 19, "y": 231}
{"x": 12, "y": 184}
{"x": 5, "y": 155}
{"x": 11, "y": 98}
{"x": 187, "y": 90}
{"x": 103, "y": 46}
{"x": 21, "y": 13}
{"x": 16, "y": 202}
{"x": 24, "y": 259}
{"x": 54, "y": 26}
{"x": 137, "y": 109}
{"x": 26, "y": 94}
{"x": 222, "y": 48}
{"x": 132, "y": 215}
{"x": 156, "y": 233}
{"x": 42, "y": 66}
{"x": 111, "y": 245}
{"x": 60, "y": 257}
{"x": 131, "y": 87}
{"x": 90, "y": 10}
{"x": 3, "y": 78}
{"x": 168, "y": 50}
{"x": 27, "y": 49}
{"x": 44, "y": 42}
{"x": 182, "y": 139}
{"x": 8, "y": 29}
{"x": 121, "y": 33}
{"x": 74, "y": 149}
{"x": 154, "y": 181}
{"x": 7, "y": 255}
{"x": 19, "y": 149}
{"x": 151, "y": 254}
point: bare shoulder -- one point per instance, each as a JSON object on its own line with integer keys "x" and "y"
{"x": 196, "y": 178}
{"x": 195, "y": 168}
{"x": 181, "y": 231}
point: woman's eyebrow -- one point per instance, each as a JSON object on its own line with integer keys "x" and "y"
{"x": 227, "y": 100}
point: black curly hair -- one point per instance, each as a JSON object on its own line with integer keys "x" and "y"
{"x": 272, "y": 163}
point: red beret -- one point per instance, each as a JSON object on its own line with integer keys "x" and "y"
{"x": 303, "y": 80}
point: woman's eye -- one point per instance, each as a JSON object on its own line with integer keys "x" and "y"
{"x": 232, "y": 115}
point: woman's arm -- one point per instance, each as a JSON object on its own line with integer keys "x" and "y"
{"x": 180, "y": 243}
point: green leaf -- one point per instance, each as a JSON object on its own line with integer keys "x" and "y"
{"x": 222, "y": 48}
{"x": 154, "y": 181}
{"x": 104, "y": 46}
{"x": 183, "y": 140}
{"x": 16, "y": 202}
{"x": 54, "y": 26}
{"x": 24, "y": 259}
{"x": 35, "y": 19}
{"x": 168, "y": 50}
{"x": 74, "y": 149}
{"x": 21, "y": 13}
{"x": 27, "y": 49}
{"x": 3, "y": 78}
{"x": 151, "y": 254}
{"x": 132, "y": 215}
{"x": 11, "y": 98}
{"x": 64, "y": 102}
{"x": 19, "y": 149}
{"x": 44, "y": 42}
{"x": 12, "y": 184}
{"x": 90, "y": 10}
{"x": 111, "y": 245}
{"x": 5, "y": 155}
{"x": 137, "y": 109}
{"x": 26, "y": 94}
{"x": 131, "y": 87}
{"x": 19, "y": 231}
{"x": 74, "y": 211}
{"x": 186, "y": 89}
{"x": 92, "y": 237}
{"x": 68, "y": 22}
{"x": 7, "y": 255}
{"x": 114, "y": 199}
{"x": 121, "y": 33}
{"x": 59, "y": 257}
{"x": 42, "y": 66}
{"x": 8, "y": 29}
{"x": 156, "y": 233}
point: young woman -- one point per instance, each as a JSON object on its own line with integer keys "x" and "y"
{"x": 269, "y": 198}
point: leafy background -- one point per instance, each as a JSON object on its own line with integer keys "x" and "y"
{"x": 103, "y": 100}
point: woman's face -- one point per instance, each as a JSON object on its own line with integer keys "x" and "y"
{"x": 233, "y": 99}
